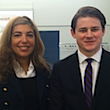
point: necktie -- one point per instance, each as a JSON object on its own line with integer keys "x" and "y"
{"x": 88, "y": 83}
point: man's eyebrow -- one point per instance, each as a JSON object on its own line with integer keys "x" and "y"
{"x": 82, "y": 28}
{"x": 96, "y": 27}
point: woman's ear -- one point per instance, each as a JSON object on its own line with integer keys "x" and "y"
{"x": 73, "y": 33}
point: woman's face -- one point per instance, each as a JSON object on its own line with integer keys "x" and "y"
{"x": 23, "y": 41}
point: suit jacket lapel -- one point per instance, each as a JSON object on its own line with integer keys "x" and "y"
{"x": 104, "y": 70}
{"x": 76, "y": 75}
{"x": 17, "y": 87}
{"x": 40, "y": 84}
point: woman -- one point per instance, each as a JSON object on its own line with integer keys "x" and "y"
{"x": 24, "y": 73}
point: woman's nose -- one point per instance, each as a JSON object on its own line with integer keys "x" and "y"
{"x": 24, "y": 38}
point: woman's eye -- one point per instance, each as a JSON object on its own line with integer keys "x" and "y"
{"x": 30, "y": 35}
{"x": 16, "y": 35}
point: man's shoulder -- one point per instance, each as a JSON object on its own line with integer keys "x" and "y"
{"x": 105, "y": 53}
{"x": 66, "y": 59}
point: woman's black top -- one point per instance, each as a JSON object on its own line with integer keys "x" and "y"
{"x": 29, "y": 87}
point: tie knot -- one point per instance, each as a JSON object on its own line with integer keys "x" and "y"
{"x": 89, "y": 60}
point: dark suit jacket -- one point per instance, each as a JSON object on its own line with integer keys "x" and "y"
{"x": 11, "y": 94}
{"x": 66, "y": 85}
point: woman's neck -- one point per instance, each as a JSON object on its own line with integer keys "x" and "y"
{"x": 24, "y": 63}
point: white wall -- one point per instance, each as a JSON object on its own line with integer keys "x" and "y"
{"x": 57, "y": 14}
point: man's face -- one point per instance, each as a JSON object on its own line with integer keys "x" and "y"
{"x": 88, "y": 34}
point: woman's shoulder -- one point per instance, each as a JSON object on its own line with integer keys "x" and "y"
{"x": 43, "y": 72}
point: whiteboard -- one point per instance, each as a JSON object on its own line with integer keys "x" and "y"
{"x": 5, "y": 16}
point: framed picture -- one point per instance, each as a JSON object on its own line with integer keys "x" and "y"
{"x": 5, "y": 16}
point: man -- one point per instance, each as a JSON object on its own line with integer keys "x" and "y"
{"x": 71, "y": 87}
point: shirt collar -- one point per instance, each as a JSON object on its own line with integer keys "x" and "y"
{"x": 96, "y": 56}
{"x": 19, "y": 71}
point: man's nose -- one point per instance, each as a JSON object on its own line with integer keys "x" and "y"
{"x": 89, "y": 33}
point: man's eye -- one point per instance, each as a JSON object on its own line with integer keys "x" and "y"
{"x": 83, "y": 30}
{"x": 95, "y": 29}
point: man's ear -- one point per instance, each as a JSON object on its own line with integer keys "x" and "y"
{"x": 103, "y": 32}
{"x": 73, "y": 33}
